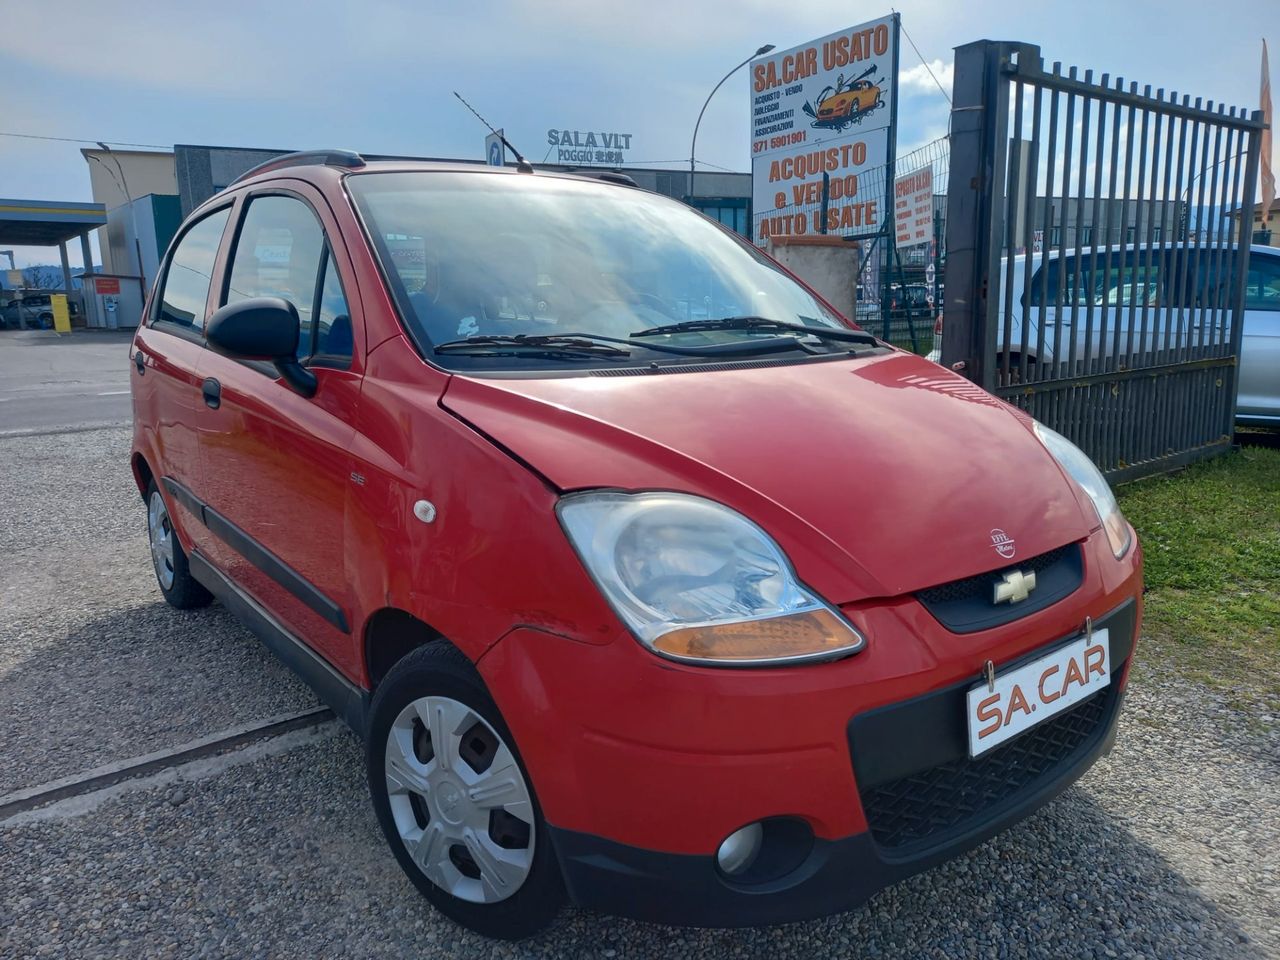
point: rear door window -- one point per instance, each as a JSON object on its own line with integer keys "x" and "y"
{"x": 187, "y": 278}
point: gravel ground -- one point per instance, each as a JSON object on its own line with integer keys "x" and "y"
{"x": 94, "y": 666}
{"x": 282, "y": 857}
{"x": 1168, "y": 848}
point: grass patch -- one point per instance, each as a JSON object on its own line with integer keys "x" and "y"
{"x": 1211, "y": 542}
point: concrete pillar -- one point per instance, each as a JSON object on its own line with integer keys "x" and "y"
{"x": 66, "y": 273}
{"x": 87, "y": 300}
{"x": 86, "y": 252}
{"x": 66, "y": 268}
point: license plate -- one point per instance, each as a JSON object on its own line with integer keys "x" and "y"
{"x": 1036, "y": 691}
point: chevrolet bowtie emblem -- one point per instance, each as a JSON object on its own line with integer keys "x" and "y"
{"x": 1014, "y": 586}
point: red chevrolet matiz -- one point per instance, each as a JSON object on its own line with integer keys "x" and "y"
{"x": 650, "y": 582}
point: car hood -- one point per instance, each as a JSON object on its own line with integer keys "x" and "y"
{"x": 878, "y": 475}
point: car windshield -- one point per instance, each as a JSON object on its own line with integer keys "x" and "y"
{"x": 489, "y": 256}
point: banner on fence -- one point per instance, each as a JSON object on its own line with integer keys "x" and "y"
{"x": 913, "y": 207}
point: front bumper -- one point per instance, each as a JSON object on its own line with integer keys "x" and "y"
{"x": 909, "y": 749}
{"x": 643, "y": 766}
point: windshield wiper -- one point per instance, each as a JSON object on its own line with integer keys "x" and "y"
{"x": 520, "y": 344}
{"x": 761, "y": 323}
{"x": 599, "y": 345}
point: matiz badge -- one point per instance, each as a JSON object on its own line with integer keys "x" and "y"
{"x": 1003, "y": 543}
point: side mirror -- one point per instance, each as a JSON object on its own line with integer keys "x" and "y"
{"x": 262, "y": 328}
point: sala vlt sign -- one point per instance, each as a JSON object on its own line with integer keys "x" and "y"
{"x": 589, "y": 146}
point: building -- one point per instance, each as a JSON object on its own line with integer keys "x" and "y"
{"x": 1265, "y": 231}
{"x": 147, "y": 193}
{"x": 133, "y": 186}
{"x": 201, "y": 171}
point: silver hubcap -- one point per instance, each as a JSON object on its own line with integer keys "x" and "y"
{"x": 459, "y": 800}
{"x": 161, "y": 533}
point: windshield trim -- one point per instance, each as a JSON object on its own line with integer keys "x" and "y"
{"x": 399, "y": 296}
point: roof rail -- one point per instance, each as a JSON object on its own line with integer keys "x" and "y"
{"x": 304, "y": 158}
{"x": 615, "y": 176}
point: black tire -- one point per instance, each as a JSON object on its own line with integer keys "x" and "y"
{"x": 441, "y": 670}
{"x": 184, "y": 592}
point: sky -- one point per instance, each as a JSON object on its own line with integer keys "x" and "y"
{"x": 378, "y": 76}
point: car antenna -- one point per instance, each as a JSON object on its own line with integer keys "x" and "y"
{"x": 523, "y": 165}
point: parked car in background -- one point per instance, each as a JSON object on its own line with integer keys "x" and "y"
{"x": 910, "y": 302}
{"x": 1126, "y": 286}
{"x": 561, "y": 495}
{"x": 33, "y": 309}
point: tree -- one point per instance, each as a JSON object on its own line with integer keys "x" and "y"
{"x": 42, "y": 277}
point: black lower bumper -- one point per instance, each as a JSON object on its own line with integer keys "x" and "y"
{"x": 835, "y": 875}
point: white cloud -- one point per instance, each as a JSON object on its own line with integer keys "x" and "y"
{"x": 918, "y": 79}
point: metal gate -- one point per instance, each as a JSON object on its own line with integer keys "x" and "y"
{"x": 1097, "y": 248}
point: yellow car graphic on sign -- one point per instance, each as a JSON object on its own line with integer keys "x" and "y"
{"x": 846, "y": 103}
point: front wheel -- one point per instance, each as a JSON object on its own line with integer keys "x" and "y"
{"x": 453, "y": 798}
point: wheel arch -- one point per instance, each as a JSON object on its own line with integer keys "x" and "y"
{"x": 390, "y": 634}
{"x": 142, "y": 472}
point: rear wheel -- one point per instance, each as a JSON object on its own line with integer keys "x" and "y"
{"x": 168, "y": 559}
{"x": 453, "y": 798}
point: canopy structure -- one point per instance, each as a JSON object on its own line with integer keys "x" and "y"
{"x": 49, "y": 223}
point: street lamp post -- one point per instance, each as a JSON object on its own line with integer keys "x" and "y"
{"x": 693, "y": 147}
{"x": 1185, "y": 198}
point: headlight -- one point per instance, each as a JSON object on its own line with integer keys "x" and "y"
{"x": 695, "y": 581}
{"x": 1081, "y": 469}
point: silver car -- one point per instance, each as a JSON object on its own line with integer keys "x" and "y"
{"x": 1116, "y": 284}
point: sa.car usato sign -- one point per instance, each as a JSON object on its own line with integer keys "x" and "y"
{"x": 824, "y": 107}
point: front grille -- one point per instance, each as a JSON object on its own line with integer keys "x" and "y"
{"x": 964, "y": 606}
{"x": 932, "y": 805}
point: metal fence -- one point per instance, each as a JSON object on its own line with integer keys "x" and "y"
{"x": 1097, "y": 240}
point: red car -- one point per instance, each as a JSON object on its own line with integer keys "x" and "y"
{"x": 650, "y": 582}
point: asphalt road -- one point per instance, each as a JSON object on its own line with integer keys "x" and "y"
{"x": 1168, "y": 848}
{"x": 49, "y": 382}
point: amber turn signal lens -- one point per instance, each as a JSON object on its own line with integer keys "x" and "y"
{"x": 1117, "y": 533}
{"x": 795, "y": 635}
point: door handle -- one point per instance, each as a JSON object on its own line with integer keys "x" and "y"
{"x": 212, "y": 391}
{"x": 140, "y": 361}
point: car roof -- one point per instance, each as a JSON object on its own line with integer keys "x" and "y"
{"x": 319, "y": 172}
{"x": 1087, "y": 250}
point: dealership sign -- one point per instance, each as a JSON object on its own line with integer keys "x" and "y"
{"x": 823, "y": 108}
{"x": 589, "y": 146}
{"x": 913, "y": 207}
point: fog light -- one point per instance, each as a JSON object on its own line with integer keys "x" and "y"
{"x": 740, "y": 849}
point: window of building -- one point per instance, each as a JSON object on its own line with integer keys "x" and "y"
{"x": 732, "y": 212}
{"x": 1055, "y": 237}
{"x": 187, "y": 278}
{"x": 1129, "y": 234}
{"x": 281, "y": 252}
{"x": 1086, "y": 236}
